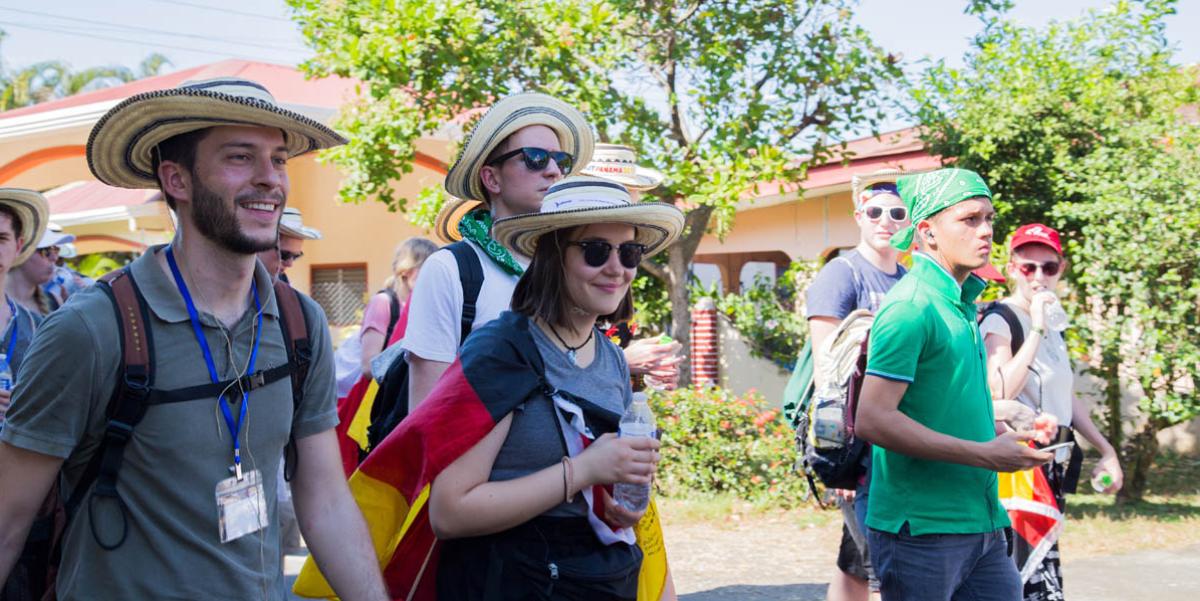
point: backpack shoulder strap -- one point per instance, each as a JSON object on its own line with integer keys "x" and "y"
{"x": 135, "y": 378}
{"x": 299, "y": 351}
{"x": 1015, "y": 330}
{"x": 470, "y": 275}
{"x": 393, "y": 315}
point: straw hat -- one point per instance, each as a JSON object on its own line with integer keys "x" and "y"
{"x": 505, "y": 118}
{"x": 445, "y": 225}
{"x": 34, "y": 212}
{"x": 122, "y": 143}
{"x": 291, "y": 224}
{"x": 583, "y": 200}
{"x": 859, "y": 182}
{"x": 618, "y": 163}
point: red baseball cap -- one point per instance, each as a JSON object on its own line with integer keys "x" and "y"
{"x": 989, "y": 272}
{"x": 1036, "y": 233}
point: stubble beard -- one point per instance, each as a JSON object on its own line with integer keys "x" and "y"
{"x": 218, "y": 222}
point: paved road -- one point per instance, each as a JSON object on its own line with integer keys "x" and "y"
{"x": 1158, "y": 575}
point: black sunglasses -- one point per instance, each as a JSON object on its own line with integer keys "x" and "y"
{"x": 287, "y": 255}
{"x": 596, "y": 252}
{"x": 894, "y": 213}
{"x": 46, "y": 251}
{"x": 536, "y": 159}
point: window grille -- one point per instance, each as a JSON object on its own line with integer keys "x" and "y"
{"x": 340, "y": 291}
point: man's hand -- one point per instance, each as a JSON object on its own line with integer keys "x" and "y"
{"x": 613, "y": 512}
{"x": 1010, "y": 452}
{"x": 1015, "y": 414}
{"x": 649, "y": 356}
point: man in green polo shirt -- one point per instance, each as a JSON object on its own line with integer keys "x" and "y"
{"x": 935, "y": 519}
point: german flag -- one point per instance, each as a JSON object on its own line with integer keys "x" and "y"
{"x": 1036, "y": 519}
{"x": 498, "y": 370}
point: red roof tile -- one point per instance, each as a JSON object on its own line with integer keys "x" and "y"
{"x": 287, "y": 84}
{"x": 91, "y": 195}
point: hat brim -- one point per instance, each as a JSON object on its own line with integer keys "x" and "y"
{"x": 643, "y": 179}
{"x": 302, "y": 232}
{"x": 34, "y": 212}
{"x": 445, "y": 225}
{"x": 121, "y": 145}
{"x": 505, "y": 118}
{"x": 860, "y": 182}
{"x": 658, "y": 225}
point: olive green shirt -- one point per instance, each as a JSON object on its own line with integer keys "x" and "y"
{"x": 178, "y": 452}
{"x": 925, "y": 335}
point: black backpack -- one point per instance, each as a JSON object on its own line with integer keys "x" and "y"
{"x": 1016, "y": 332}
{"x": 391, "y": 400}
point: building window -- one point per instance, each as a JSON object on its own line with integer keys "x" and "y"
{"x": 340, "y": 290}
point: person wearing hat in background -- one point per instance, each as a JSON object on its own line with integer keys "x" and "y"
{"x": 25, "y": 284}
{"x": 650, "y": 360}
{"x": 194, "y": 516}
{"x": 525, "y": 486}
{"x": 66, "y": 281}
{"x": 289, "y": 249}
{"x": 22, "y": 222}
{"x": 1039, "y": 376}
{"x": 937, "y": 528}
{"x": 858, "y": 279}
{"x": 518, "y": 149}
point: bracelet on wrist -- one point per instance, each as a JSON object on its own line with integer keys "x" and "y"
{"x": 568, "y": 479}
{"x": 1040, "y": 331}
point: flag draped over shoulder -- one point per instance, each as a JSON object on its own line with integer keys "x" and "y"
{"x": 351, "y": 409}
{"x": 1036, "y": 519}
{"x": 392, "y": 486}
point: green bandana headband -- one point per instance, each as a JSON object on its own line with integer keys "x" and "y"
{"x": 476, "y": 226}
{"x": 926, "y": 194}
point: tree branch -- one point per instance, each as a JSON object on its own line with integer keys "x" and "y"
{"x": 654, "y": 270}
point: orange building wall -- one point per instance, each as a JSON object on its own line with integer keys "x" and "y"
{"x": 803, "y": 229}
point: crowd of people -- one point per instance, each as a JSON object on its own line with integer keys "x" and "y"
{"x": 189, "y": 460}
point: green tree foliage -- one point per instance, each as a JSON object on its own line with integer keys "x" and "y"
{"x": 718, "y": 96}
{"x": 48, "y": 80}
{"x": 1088, "y": 126}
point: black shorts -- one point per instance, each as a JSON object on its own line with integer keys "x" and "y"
{"x": 850, "y": 558}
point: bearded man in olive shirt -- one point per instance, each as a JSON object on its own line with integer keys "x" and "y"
{"x": 193, "y": 514}
{"x": 935, "y": 519}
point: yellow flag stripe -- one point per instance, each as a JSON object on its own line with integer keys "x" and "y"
{"x": 362, "y": 419}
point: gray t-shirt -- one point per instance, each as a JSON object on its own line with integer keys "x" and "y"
{"x": 23, "y": 324}
{"x": 847, "y": 283}
{"x": 534, "y": 441}
{"x": 178, "y": 452}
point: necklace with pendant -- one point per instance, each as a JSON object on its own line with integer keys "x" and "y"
{"x": 571, "y": 350}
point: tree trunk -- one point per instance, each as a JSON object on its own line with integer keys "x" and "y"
{"x": 679, "y": 261}
{"x": 1139, "y": 454}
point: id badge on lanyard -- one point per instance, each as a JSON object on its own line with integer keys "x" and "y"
{"x": 241, "y": 500}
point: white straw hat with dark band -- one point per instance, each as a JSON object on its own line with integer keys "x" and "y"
{"x": 121, "y": 146}
{"x": 34, "y": 212}
{"x": 291, "y": 223}
{"x": 619, "y": 164}
{"x": 584, "y": 200}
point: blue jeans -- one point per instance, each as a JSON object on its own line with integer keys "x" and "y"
{"x": 944, "y": 567}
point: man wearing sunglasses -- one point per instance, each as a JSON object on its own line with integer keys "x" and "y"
{"x": 858, "y": 279}
{"x": 517, "y": 150}
{"x": 290, "y": 247}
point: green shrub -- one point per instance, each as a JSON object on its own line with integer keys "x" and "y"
{"x": 714, "y": 442}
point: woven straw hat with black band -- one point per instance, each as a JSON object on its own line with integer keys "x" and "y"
{"x": 121, "y": 146}
{"x": 584, "y": 200}
{"x": 502, "y": 120}
{"x": 34, "y": 212}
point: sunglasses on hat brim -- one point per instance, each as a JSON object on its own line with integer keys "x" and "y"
{"x": 536, "y": 159}
{"x": 596, "y": 252}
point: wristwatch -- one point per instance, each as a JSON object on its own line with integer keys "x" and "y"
{"x": 1038, "y": 331}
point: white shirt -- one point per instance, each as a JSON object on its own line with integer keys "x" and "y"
{"x": 1050, "y": 377}
{"x": 435, "y": 307}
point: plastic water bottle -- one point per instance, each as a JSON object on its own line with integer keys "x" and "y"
{"x": 1101, "y": 481}
{"x": 6, "y": 374}
{"x": 1056, "y": 316}
{"x": 637, "y": 421}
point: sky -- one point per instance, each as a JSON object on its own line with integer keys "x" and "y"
{"x": 87, "y": 33}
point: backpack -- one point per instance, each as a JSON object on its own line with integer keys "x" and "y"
{"x": 394, "y": 312}
{"x": 1016, "y": 332}
{"x": 824, "y": 419}
{"x": 391, "y": 400}
{"x": 134, "y": 395}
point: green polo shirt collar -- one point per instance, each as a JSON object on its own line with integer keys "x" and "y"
{"x": 932, "y": 273}
{"x": 164, "y": 299}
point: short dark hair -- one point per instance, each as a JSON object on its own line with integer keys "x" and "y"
{"x": 542, "y": 290}
{"x": 17, "y": 226}
{"x": 180, "y": 149}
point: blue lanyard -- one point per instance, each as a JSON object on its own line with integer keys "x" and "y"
{"x": 234, "y": 427}
{"x": 12, "y": 341}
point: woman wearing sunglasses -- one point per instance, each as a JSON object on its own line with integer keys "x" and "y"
{"x": 1038, "y": 374}
{"x": 526, "y": 512}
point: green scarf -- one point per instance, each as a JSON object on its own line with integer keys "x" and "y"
{"x": 476, "y": 226}
{"x": 926, "y": 194}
